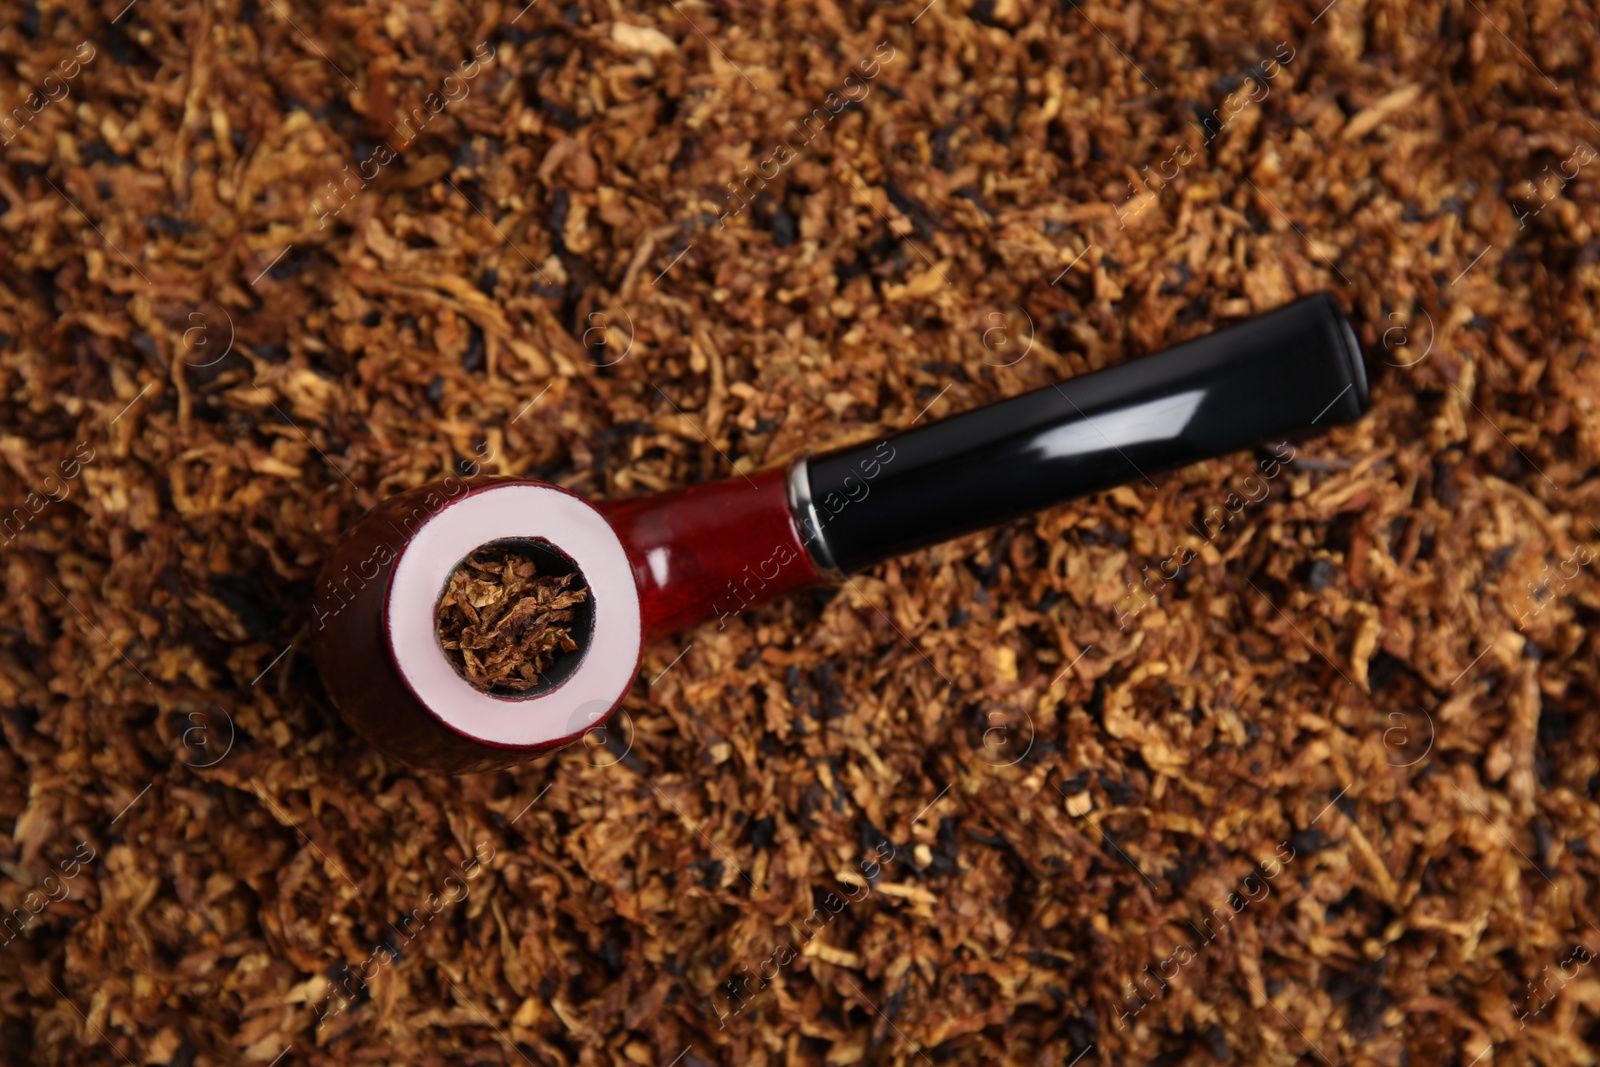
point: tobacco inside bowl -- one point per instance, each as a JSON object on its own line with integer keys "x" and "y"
{"x": 515, "y": 618}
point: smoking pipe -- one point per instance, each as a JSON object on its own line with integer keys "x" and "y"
{"x": 657, "y": 564}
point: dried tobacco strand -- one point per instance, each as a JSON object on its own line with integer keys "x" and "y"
{"x": 505, "y": 623}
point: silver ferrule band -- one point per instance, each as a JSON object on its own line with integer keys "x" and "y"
{"x": 804, "y": 510}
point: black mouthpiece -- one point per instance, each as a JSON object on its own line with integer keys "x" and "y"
{"x": 1288, "y": 372}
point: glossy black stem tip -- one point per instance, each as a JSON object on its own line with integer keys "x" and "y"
{"x": 1283, "y": 374}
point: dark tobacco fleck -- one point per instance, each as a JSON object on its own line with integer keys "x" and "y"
{"x": 505, "y": 623}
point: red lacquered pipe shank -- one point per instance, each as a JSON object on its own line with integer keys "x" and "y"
{"x": 711, "y": 551}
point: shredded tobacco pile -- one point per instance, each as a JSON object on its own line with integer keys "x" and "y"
{"x": 506, "y": 623}
{"x": 982, "y": 804}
